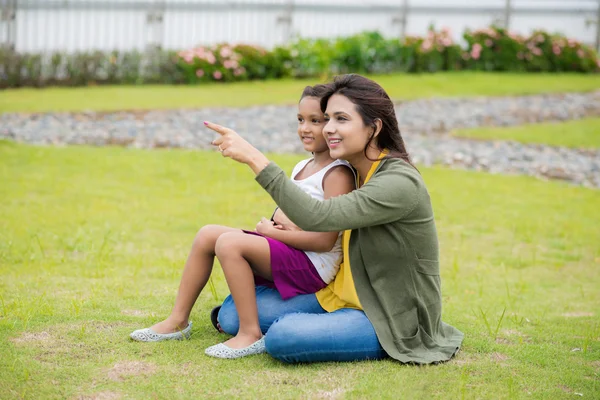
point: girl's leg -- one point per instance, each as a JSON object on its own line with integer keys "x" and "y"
{"x": 343, "y": 335}
{"x": 195, "y": 276}
{"x": 240, "y": 254}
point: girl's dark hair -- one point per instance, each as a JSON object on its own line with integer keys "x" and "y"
{"x": 317, "y": 91}
{"x": 372, "y": 103}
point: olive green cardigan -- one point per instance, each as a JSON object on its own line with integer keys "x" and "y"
{"x": 394, "y": 255}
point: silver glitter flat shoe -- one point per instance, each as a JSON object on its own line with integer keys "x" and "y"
{"x": 148, "y": 335}
{"x": 223, "y": 351}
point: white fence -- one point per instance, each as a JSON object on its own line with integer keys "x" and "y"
{"x": 73, "y": 25}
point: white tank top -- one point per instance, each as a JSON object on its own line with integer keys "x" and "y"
{"x": 327, "y": 264}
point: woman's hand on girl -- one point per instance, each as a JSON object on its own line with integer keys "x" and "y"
{"x": 282, "y": 220}
{"x": 232, "y": 145}
{"x": 266, "y": 227}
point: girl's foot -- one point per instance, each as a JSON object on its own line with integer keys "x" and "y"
{"x": 242, "y": 340}
{"x": 150, "y": 335}
{"x": 169, "y": 326}
{"x": 223, "y": 351}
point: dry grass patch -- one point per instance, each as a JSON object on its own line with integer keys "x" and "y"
{"x": 126, "y": 369}
{"x": 29, "y": 337}
{"x": 106, "y": 395}
{"x": 332, "y": 394}
{"x": 135, "y": 313}
{"x": 578, "y": 314}
{"x": 499, "y": 357}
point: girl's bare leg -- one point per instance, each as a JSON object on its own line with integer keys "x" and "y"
{"x": 195, "y": 275}
{"x": 240, "y": 254}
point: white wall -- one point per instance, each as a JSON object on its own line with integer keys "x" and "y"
{"x": 106, "y": 29}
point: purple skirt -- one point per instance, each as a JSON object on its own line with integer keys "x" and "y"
{"x": 293, "y": 272}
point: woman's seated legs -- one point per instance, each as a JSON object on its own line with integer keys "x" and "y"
{"x": 270, "y": 307}
{"x": 343, "y": 335}
{"x": 299, "y": 330}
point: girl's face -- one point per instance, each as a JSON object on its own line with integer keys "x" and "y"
{"x": 310, "y": 125}
{"x": 345, "y": 132}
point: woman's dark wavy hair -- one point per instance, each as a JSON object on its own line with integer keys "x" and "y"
{"x": 372, "y": 103}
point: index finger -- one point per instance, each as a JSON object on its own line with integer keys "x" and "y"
{"x": 221, "y": 130}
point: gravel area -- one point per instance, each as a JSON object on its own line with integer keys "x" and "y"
{"x": 425, "y": 125}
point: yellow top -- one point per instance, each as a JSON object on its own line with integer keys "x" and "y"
{"x": 341, "y": 293}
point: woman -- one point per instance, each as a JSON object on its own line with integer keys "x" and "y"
{"x": 386, "y": 299}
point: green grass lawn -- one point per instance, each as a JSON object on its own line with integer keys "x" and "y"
{"x": 583, "y": 133}
{"x": 93, "y": 241}
{"x": 399, "y": 86}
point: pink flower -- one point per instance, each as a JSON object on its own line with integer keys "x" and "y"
{"x": 536, "y": 51}
{"x": 210, "y": 57}
{"x": 200, "y": 73}
{"x": 476, "y": 51}
{"x": 580, "y": 53}
{"x": 188, "y": 56}
{"x": 426, "y": 45}
{"x": 226, "y": 52}
{"x": 466, "y": 56}
{"x": 488, "y": 42}
{"x": 598, "y": 63}
{"x": 217, "y": 75}
{"x": 447, "y": 41}
{"x": 239, "y": 71}
{"x": 199, "y": 52}
{"x": 556, "y": 50}
{"x": 230, "y": 64}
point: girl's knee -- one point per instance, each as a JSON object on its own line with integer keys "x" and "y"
{"x": 228, "y": 244}
{"x": 207, "y": 236}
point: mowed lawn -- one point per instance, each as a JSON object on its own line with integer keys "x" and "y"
{"x": 246, "y": 94}
{"x": 93, "y": 241}
{"x": 579, "y": 134}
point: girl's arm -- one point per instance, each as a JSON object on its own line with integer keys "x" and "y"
{"x": 339, "y": 180}
{"x": 319, "y": 242}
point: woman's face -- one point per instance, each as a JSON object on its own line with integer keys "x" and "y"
{"x": 345, "y": 132}
{"x": 310, "y": 125}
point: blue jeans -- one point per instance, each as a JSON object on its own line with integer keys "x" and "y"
{"x": 300, "y": 330}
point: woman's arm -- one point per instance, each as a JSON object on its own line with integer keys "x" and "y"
{"x": 339, "y": 180}
{"x": 389, "y": 196}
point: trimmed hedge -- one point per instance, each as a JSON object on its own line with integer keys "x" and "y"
{"x": 490, "y": 49}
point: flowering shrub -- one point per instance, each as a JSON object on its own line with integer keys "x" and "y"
{"x": 496, "y": 49}
{"x": 262, "y": 64}
{"x": 436, "y": 51}
{"x": 215, "y": 63}
{"x": 489, "y": 49}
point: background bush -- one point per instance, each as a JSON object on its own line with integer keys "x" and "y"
{"x": 489, "y": 49}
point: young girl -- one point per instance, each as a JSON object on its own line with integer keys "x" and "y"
{"x": 278, "y": 253}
